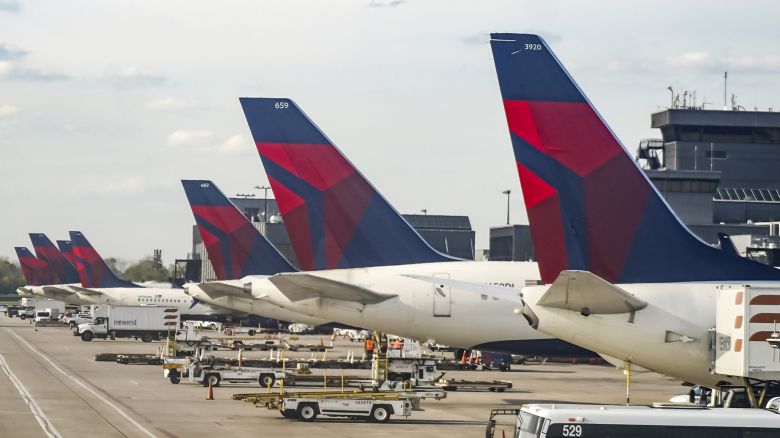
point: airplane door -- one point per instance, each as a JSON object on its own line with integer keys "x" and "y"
{"x": 442, "y": 297}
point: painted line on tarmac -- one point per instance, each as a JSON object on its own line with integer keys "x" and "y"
{"x": 37, "y": 412}
{"x": 83, "y": 385}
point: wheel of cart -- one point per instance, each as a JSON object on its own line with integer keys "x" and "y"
{"x": 380, "y": 414}
{"x": 212, "y": 379}
{"x": 289, "y": 413}
{"x": 174, "y": 376}
{"x": 146, "y": 337}
{"x": 266, "y": 380}
{"x": 307, "y": 412}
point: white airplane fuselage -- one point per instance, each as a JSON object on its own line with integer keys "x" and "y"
{"x": 460, "y": 319}
{"x": 168, "y": 297}
{"x": 670, "y": 336}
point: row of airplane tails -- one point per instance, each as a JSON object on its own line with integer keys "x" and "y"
{"x": 617, "y": 272}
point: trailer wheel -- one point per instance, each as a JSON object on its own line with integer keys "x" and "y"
{"x": 266, "y": 380}
{"x": 500, "y": 389}
{"x": 380, "y": 414}
{"x": 87, "y": 336}
{"x": 146, "y": 337}
{"x": 288, "y": 413}
{"x": 175, "y": 377}
{"x": 213, "y": 379}
{"x": 307, "y": 412}
{"x": 252, "y": 332}
{"x": 23, "y": 316}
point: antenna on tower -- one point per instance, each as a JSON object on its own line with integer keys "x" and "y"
{"x": 725, "y": 83}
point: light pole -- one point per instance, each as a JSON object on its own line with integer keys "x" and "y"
{"x": 424, "y": 211}
{"x": 507, "y": 192}
{"x": 265, "y": 201}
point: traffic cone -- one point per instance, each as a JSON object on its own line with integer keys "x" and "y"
{"x": 210, "y": 395}
{"x": 463, "y": 358}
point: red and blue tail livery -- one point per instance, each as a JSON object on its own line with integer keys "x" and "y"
{"x": 61, "y": 271}
{"x": 334, "y": 217}
{"x": 66, "y": 248}
{"x": 235, "y": 247}
{"x": 34, "y": 270}
{"x": 93, "y": 270}
{"x": 589, "y": 205}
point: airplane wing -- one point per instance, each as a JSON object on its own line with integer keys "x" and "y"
{"x": 85, "y": 291}
{"x": 57, "y": 291}
{"x": 587, "y": 293}
{"x": 298, "y": 286}
{"x": 216, "y": 289}
{"x": 491, "y": 290}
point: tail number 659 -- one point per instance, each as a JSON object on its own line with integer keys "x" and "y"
{"x": 281, "y": 105}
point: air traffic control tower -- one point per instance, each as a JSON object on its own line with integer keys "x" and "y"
{"x": 719, "y": 170}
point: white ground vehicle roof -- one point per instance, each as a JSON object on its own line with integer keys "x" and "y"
{"x": 654, "y": 416}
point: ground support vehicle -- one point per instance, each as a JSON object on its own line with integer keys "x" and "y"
{"x": 657, "y": 421}
{"x": 376, "y": 406}
{"x": 147, "y": 323}
{"x": 74, "y": 320}
{"x": 206, "y": 374}
{"x": 458, "y": 384}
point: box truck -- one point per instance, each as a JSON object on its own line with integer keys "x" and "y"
{"x": 147, "y": 323}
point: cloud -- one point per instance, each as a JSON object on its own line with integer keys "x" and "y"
{"x": 7, "y": 53}
{"x": 705, "y": 61}
{"x": 383, "y": 3}
{"x": 8, "y": 111}
{"x": 232, "y": 145}
{"x": 135, "y": 77}
{"x": 13, "y": 70}
{"x": 168, "y": 104}
{"x": 189, "y": 138}
{"x": 10, "y": 6}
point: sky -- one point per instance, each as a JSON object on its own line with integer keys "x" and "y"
{"x": 105, "y": 106}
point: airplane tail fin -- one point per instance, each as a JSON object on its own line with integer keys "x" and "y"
{"x": 34, "y": 270}
{"x": 66, "y": 248}
{"x": 61, "y": 271}
{"x": 590, "y": 206}
{"x": 93, "y": 270}
{"x": 235, "y": 247}
{"x": 334, "y": 216}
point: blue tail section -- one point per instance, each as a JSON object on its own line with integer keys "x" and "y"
{"x": 589, "y": 205}
{"x": 93, "y": 270}
{"x": 334, "y": 216}
{"x": 235, "y": 247}
{"x": 61, "y": 271}
{"x": 34, "y": 270}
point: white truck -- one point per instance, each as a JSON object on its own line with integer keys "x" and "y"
{"x": 147, "y": 323}
{"x": 203, "y": 372}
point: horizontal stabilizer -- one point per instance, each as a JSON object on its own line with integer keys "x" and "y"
{"x": 216, "y": 289}
{"x": 491, "y": 290}
{"x": 301, "y": 286}
{"x": 587, "y": 293}
{"x": 85, "y": 291}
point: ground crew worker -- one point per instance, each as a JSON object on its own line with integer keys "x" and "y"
{"x": 398, "y": 344}
{"x": 369, "y": 347}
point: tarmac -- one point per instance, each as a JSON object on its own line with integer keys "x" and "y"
{"x": 53, "y": 387}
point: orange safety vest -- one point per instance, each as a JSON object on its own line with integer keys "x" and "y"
{"x": 369, "y": 345}
{"x": 398, "y": 344}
